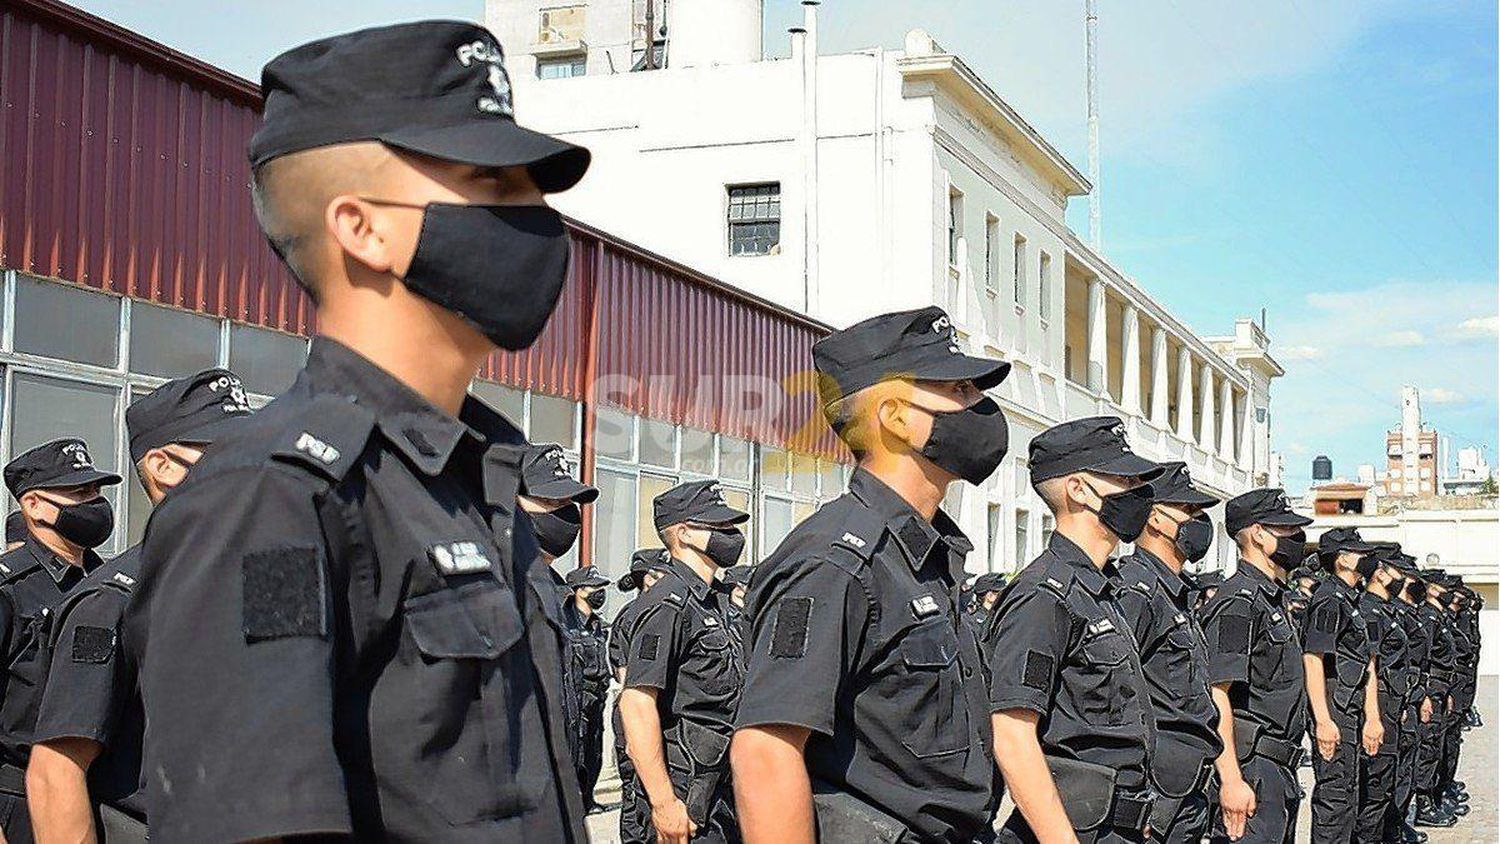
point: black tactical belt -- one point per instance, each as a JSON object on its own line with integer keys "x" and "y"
{"x": 1281, "y": 752}
{"x": 12, "y": 779}
{"x": 1131, "y": 811}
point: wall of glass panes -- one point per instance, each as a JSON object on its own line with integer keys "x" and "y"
{"x": 73, "y": 359}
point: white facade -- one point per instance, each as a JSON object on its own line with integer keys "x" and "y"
{"x": 904, "y": 180}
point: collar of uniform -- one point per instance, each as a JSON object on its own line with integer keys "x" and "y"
{"x": 1263, "y": 581}
{"x": 56, "y": 566}
{"x": 915, "y": 535}
{"x": 695, "y": 584}
{"x": 1084, "y": 571}
{"x": 1170, "y": 579}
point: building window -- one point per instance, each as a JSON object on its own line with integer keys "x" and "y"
{"x": 561, "y": 25}
{"x": 1043, "y": 287}
{"x": 267, "y": 361}
{"x": 561, "y": 67}
{"x": 755, "y": 219}
{"x": 67, "y": 322}
{"x": 955, "y": 223}
{"x": 1019, "y": 271}
{"x": 1048, "y": 525}
{"x": 991, "y": 253}
{"x": 1023, "y": 525}
{"x": 171, "y": 343}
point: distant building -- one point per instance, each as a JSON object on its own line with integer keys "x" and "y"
{"x": 1365, "y": 474}
{"x": 1411, "y": 452}
{"x": 1473, "y": 474}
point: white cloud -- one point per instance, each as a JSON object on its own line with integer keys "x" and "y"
{"x": 1300, "y": 353}
{"x": 1399, "y": 339}
{"x": 1485, "y": 326}
{"x": 1442, "y": 395}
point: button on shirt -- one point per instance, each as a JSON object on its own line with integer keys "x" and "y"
{"x": 1059, "y": 647}
{"x": 345, "y": 627}
{"x": 855, "y": 633}
{"x": 1335, "y": 630}
{"x": 1253, "y": 647}
{"x": 1174, "y": 657}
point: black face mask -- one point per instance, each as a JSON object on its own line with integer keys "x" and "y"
{"x": 1124, "y": 513}
{"x": 1416, "y": 591}
{"x": 558, "y": 530}
{"x": 1289, "y": 549}
{"x": 596, "y": 599}
{"x": 725, "y": 546}
{"x": 501, "y": 267}
{"x": 86, "y": 524}
{"x": 1367, "y": 566}
{"x": 1194, "y": 537}
{"x": 970, "y": 443}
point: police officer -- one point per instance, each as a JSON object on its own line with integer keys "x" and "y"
{"x": 348, "y": 629}
{"x": 683, "y": 674}
{"x": 864, "y": 716}
{"x": 1433, "y": 810}
{"x": 1255, "y": 668}
{"x": 15, "y": 530}
{"x": 67, "y": 516}
{"x": 1156, "y": 606}
{"x": 647, "y": 566}
{"x": 1466, "y": 654}
{"x": 1417, "y": 710}
{"x": 588, "y": 675}
{"x": 553, "y": 501}
{"x": 986, "y": 592}
{"x": 1206, "y": 585}
{"x": 1380, "y": 608}
{"x": 736, "y": 581}
{"x": 1303, "y": 581}
{"x": 1339, "y": 664}
{"x": 86, "y": 755}
{"x": 1074, "y": 730}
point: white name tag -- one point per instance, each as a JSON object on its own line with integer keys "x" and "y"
{"x": 458, "y": 558}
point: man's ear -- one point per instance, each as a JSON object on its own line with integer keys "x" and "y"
{"x": 354, "y": 226}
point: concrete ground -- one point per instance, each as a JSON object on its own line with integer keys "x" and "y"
{"x": 1478, "y": 767}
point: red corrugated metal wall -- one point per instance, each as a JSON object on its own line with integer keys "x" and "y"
{"x": 122, "y": 167}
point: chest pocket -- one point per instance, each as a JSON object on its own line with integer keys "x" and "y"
{"x": 928, "y": 694}
{"x": 26, "y": 675}
{"x": 713, "y": 646}
{"x": 1104, "y": 690}
{"x": 1184, "y": 652}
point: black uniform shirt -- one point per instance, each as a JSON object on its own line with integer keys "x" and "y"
{"x": 1393, "y": 649}
{"x": 856, "y": 634}
{"x": 33, "y": 583}
{"x": 1253, "y": 647}
{"x": 1174, "y": 657}
{"x": 1335, "y": 630}
{"x": 347, "y": 628}
{"x": 1059, "y": 647}
{"x": 681, "y": 646}
{"x": 1419, "y": 644}
{"x": 588, "y": 652}
{"x": 91, "y": 683}
{"x": 619, "y": 633}
{"x": 1441, "y": 653}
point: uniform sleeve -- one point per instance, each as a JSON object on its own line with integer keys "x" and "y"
{"x": 1324, "y": 619}
{"x": 800, "y": 648}
{"x": 1227, "y": 631}
{"x": 1134, "y": 604}
{"x": 653, "y": 649}
{"x": 238, "y": 670}
{"x": 1025, "y": 649}
{"x": 85, "y": 682}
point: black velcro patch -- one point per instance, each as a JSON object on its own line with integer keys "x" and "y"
{"x": 1327, "y": 619}
{"x": 1038, "y": 674}
{"x": 93, "y": 644}
{"x": 283, "y": 594}
{"x": 650, "y": 644}
{"x": 789, "y": 636}
{"x": 1234, "y": 634}
{"x": 1372, "y": 629}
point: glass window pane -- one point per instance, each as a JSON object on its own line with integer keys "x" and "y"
{"x": 509, "y": 401}
{"x": 776, "y": 523}
{"x": 734, "y": 459}
{"x": 63, "y": 321}
{"x": 773, "y": 468}
{"x": 552, "y": 421}
{"x": 171, "y": 343}
{"x": 697, "y": 451}
{"x": 804, "y": 474}
{"x": 45, "y": 409}
{"x": 137, "y": 504}
{"x": 658, "y": 444}
{"x": 739, "y": 499}
{"x": 267, "y": 361}
{"x": 801, "y": 510}
{"x": 651, "y": 486}
{"x": 831, "y": 477}
{"x": 614, "y": 526}
{"x": 614, "y": 431}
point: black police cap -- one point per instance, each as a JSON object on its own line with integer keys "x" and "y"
{"x": 15, "y": 527}
{"x": 544, "y": 474}
{"x": 919, "y": 345}
{"x": 437, "y": 88}
{"x": 642, "y": 561}
{"x": 1096, "y": 444}
{"x": 1175, "y": 486}
{"x": 585, "y": 576}
{"x": 194, "y": 410}
{"x": 1263, "y": 506}
{"x": 52, "y": 465}
{"x": 694, "y": 501}
{"x": 990, "y": 581}
{"x": 737, "y": 576}
{"x": 1340, "y": 539}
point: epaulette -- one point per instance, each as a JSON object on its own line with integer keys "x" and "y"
{"x": 9, "y": 572}
{"x": 1140, "y": 586}
{"x": 861, "y": 532}
{"x": 1055, "y": 584}
{"x": 326, "y": 435}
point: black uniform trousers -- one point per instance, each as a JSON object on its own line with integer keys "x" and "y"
{"x": 1277, "y": 796}
{"x": 1017, "y": 831}
{"x": 590, "y": 758}
{"x": 1335, "y": 794}
{"x": 1188, "y": 819}
{"x": 1404, "y": 788}
{"x": 1377, "y": 780}
{"x": 633, "y": 824}
{"x": 721, "y": 827}
{"x": 15, "y": 818}
{"x": 1430, "y": 740}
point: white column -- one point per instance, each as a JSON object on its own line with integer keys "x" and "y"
{"x": 1226, "y": 421}
{"x": 1130, "y": 369}
{"x": 1159, "y": 380}
{"x": 1206, "y": 422}
{"x": 1098, "y": 376}
{"x": 1247, "y": 437}
{"x": 1185, "y": 376}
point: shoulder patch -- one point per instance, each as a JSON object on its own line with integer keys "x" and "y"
{"x": 1234, "y": 634}
{"x": 327, "y": 435}
{"x": 93, "y": 644}
{"x": 1056, "y": 586}
{"x": 859, "y": 538}
{"x": 789, "y": 633}
{"x": 123, "y": 579}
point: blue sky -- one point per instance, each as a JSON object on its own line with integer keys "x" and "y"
{"x": 1331, "y": 161}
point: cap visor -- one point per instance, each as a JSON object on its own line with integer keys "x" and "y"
{"x": 721, "y": 516}
{"x": 1190, "y": 497}
{"x": 564, "y": 489}
{"x": 1127, "y": 465}
{"x": 79, "y": 478}
{"x": 1286, "y": 519}
{"x": 984, "y": 372}
{"x": 555, "y": 164}
{"x": 209, "y": 431}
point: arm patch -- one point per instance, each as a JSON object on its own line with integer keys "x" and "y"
{"x": 93, "y": 644}
{"x": 282, "y": 594}
{"x": 650, "y": 644}
{"x": 789, "y": 636}
{"x": 1234, "y": 634}
{"x": 1038, "y": 674}
{"x": 1326, "y": 619}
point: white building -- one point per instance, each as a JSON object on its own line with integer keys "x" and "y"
{"x": 848, "y": 185}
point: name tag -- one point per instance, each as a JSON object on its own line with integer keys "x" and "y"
{"x": 123, "y": 578}
{"x": 458, "y": 558}
{"x": 710, "y": 621}
{"x": 924, "y": 606}
{"x": 1103, "y": 625}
